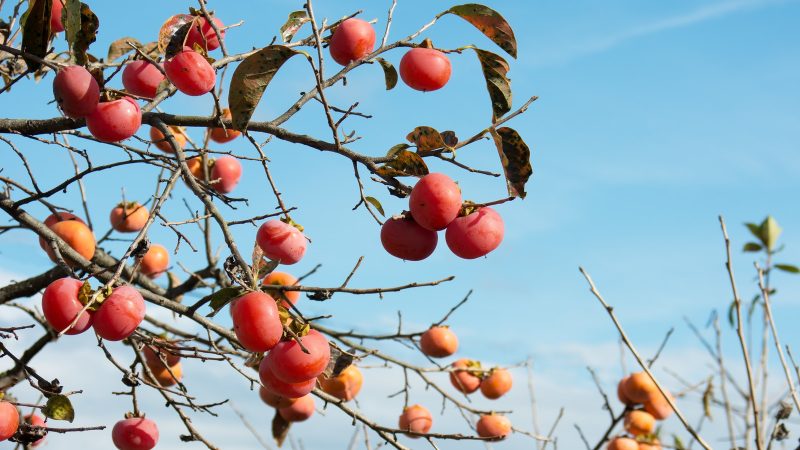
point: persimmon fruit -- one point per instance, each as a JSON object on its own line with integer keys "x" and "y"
{"x": 435, "y": 201}
{"x": 281, "y": 241}
{"x": 438, "y": 342}
{"x": 61, "y": 306}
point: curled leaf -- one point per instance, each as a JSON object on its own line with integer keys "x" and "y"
{"x": 405, "y": 164}
{"x": 490, "y": 23}
{"x": 516, "y": 159}
{"x": 426, "y": 139}
{"x": 120, "y": 47}
{"x": 86, "y": 35}
{"x": 280, "y": 428}
{"x": 294, "y": 23}
{"x": 59, "y": 407}
{"x": 389, "y": 73}
{"x": 374, "y": 202}
{"x": 251, "y": 78}
{"x": 170, "y": 29}
{"x": 495, "y": 71}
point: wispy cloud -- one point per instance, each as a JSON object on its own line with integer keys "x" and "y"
{"x": 702, "y": 14}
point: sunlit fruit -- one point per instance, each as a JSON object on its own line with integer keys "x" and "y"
{"x": 291, "y": 364}
{"x": 136, "y": 433}
{"x": 9, "y": 420}
{"x": 281, "y": 388}
{"x": 493, "y": 425}
{"x": 622, "y": 443}
{"x": 223, "y": 135}
{"x": 621, "y": 395}
{"x": 225, "y": 174}
{"x": 281, "y": 241}
{"x": 476, "y": 234}
{"x": 352, "y": 40}
{"x": 155, "y": 261}
{"x": 161, "y": 142}
{"x": 61, "y": 306}
{"x": 651, "y": 444}
{"x": 301, "y": 409}
{"x": 496, "y": 384}
{"x": 115, "y": 121}
{"x": 464, "y": 377}
{"x": 76, "y": 91}
{"x": 277, "y": 278}
{"x": 142, "y": 78}
{"x": 75, "y": 234}
{"x": 190, "y": 72}
{"x": 425, "y": 69}
{"x": 119, "y": 314}
{"x": 658, "y": 406}
{"x": 638, "y": 422}
{"x": 639, "y": 387}
{"x": 435, "y": 201}
{"x": 403, "y": 238}
{"x": 129, "y": 217}
{"x": 438, "y": 342}
{"x": 256, "y": 322}
{"x": 202, "y": 34}
{"x": 167, "y": 377}
{"x": 344, "y": 386}
{"x": 416, "y": 418}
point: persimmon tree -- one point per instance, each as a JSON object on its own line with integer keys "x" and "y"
{"x": 295, "y": 363}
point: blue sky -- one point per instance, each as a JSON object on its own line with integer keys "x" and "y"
{"x": 653, "y": 119}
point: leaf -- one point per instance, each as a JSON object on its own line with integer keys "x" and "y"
{"x": 396, "y": 149}
{"x": 787, "y": 268}
{"x": 490, "y": 23}
{"x": 389, "y": 72}
{"x": 294, "y": 23}
{"x": 450, "y": 139}
{"x": 36, "y": 30}
{"x": 374, "y": 202}
{"x": 170, "y": 28}
{"x": 770, "y": 231}
{"x": 708, "y": 396}
{"x": 87, "y": 34}
{"x": 59, "y": 407}
{"x": 755, "y": 229}
{"x": 426, "y": 139}
{"x": 280, "y": 428}
{"x": 677, "y": 442}
{"x": 120, "y": 47}
{"x": 250, "y": 80}
{"x": 732, "y": 314}
{"x": 752, "y": 247}
{"x": 404, "y": 165}
{"x": 495, "y": 70}
{"x": 71, "y": 18}
{"x": 222, "y": 297}
{"x": 515, "y": 157}
{"x": 338, "y": 362}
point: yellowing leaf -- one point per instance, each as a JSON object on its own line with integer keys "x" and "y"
{"x": 251, "y": 78}
{"x": 120, "y": 47}
{"x": 294, "y": 23}
{"x": 59, "y": 407}
{"x": 405, "y": 164}
{"x": 490, "y": 23}
{"x": 389, "y": 73}
{"x": 426, "y": 139}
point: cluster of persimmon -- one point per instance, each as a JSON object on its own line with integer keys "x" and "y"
{"x": 466, "y": 376}
{"x": 10, "y": 422}
{"x": 645, "y": 405}
{"x": 435, "y": 204}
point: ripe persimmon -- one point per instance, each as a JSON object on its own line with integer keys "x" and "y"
{"x": 129, "y": 217}
{"x": 167, "y": 377}
{"x": 77, "y": 235}
{"x": 438, "y": 342}
{"x": 622, "y": 443}
{"x": 344, "y": 386}
{"x": 653, "y": 444}
{"x": 464, "y": 377}
{"x": 638, "y": 422}
{"x": 154, "y": 353}
{"x": 136, "y": 433}
{"x": 273, "y": 399}
{"x": 301, "y": 409}
{"x": 161, "y": 142}
{"x": 638, "y": 387}
{"x": 621, "y": 395}
{"x": 155, "y": 261}
{"x": 223, "y": 135}
{"x": 278, "y": 278}
{"x": 493, "y": 425}
{"x": 9, "y": 420}
{"x": 416, "y": 418}
{"x": 496, "y": 384}
{"x": 658, "y": 406}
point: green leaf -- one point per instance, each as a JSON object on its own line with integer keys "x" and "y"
{"x": 222, "y": 297}
{"x": 374, "y": 202}
{"x": 426, "y": 139}
{"x": 752, "y": 247}
{"x": 59, "y": 407}
{"x": 36, "y": 30}
{"x": 490, "y": 23}
{"x": 516, "y": 159}
{"x": 770, "y": 231}
{"x": 120, "y": 47}
{"x": 405, "y": 164}
{"x": 86, "y": 34}
{"x": 250, "y": 80}
{"x": 787, "y": 268}
{"x": 389, "y": 73}
{"x": 755, "y": 229}
{"x": 677, "y": 442}
{"x": 732, "y": 314}
{"x": 294, "y": 23}
{"x": 495, "y": 71}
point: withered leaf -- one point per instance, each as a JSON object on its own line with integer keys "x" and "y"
{"x": 495, "y": 70}
{"x": 294, "y": 23}
{"x": 36, "y": 30}
{"x": 490, "y": 23}
{"x": 515, "y": 157}
{"x": 389, "y": 73}
{"x": 405, "y": 164}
